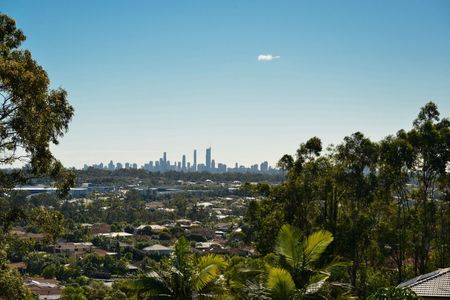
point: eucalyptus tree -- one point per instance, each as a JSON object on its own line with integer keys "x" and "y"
{"x": 396, "y": 161}
{"x": 298, "y": 194}
{"x": 430, "y": 141}
{"x": 356, "y": 159}
{"x": 32, "y": 118}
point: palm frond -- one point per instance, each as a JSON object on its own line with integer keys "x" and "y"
{"x": 316, "y": 244}
{"x": 335, "y": 265}
{"x": 207, "y": 270}
{"x": 280, "y": 284}
{"x": 288, "y": 244}
{"x": 148, "y": 285}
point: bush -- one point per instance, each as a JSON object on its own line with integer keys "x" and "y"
{"x": 394, "y": 294}
{"x": 164, "y": 236}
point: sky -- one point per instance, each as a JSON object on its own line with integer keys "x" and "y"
{"x": 251, "y": 79}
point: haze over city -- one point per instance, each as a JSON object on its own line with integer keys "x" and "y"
{"x": 251, "y": 79}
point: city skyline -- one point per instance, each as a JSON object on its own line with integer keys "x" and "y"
{"x": 164, "y": 164}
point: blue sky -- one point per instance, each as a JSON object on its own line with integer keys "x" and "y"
{"x": 153, "y": 76}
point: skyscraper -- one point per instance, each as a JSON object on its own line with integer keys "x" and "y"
{"x": 264, "y": 166}
{"x": 208, "y": 158}
{"x": 183, "y": 163}
{"x": 165, "y": 164}
{"x": 195, "y": 161}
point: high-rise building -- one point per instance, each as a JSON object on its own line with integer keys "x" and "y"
{"x": 213, "y": 164}
{"x": 111, "y": 166}
{"x": 264, "y": 166}
{"x": 183, "y": 163}
{"x": 165, "y": 164}
{"x": 221, "y": 168}
{"x": 208, "y": 158}
{"x": 195, "y": 161}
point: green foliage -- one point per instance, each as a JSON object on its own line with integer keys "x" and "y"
{"x": 297, "y": 270}
{"x": 18, "y": 249}
{"x": 182, "y": 276}
{"x": 96, "y": 266}
{"x": 116, "y": 295}
{"x": 32, "y": 116}
{"x": 280, "y": 284}
{"x": 50, "y": 222}
{"x": 386, "y": 203}
{"x": 73, "y": 293}
{"x": 394, "y": 294}
{"x": 11, "y": 283}
{"x": 245, "y": 278}
{"x": 264, "y": 218}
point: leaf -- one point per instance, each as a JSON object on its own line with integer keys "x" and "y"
{"x": 208, "y": 269}
{"x": 280, "y": 284}
{"x": 316, "y": 244}
{"x": 288, "y": 244}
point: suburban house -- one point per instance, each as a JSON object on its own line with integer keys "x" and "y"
{"x": 158, "y": 250}
{"x": 44, "y": 289}
{"x": 430, "y": 286}
{"x": 73, "y": 249}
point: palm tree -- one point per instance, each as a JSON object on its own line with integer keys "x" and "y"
{"x": 245, "y": 278}
{"x": 182, "y": 277}
{"x": 295, "y": 275}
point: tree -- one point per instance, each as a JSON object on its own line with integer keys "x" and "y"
{"x": 396, "y": 160}
{"x": 73, "y": 293}
{"x": 245, "y": 278}
{"x": 297, "y": 272}
{"x": 11, "y": 283}
{"x": 32, "y": 116}
{"x": 357, "y": 159}
{"x": 183, "y": 276}
{"x": 430, "y": 139}
{"x": 50, "y": 222}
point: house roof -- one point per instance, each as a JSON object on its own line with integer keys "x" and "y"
{"x": 101, "y": 252}
{"x": 115, "y": 234}
{"x": 154, "y": 227}
{"x": 18, "y": 265}
{"x": 434, "y": 284}
{"x": 157, "y": 248}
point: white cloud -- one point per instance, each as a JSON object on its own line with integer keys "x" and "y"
{"x": 267, "y": 57}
